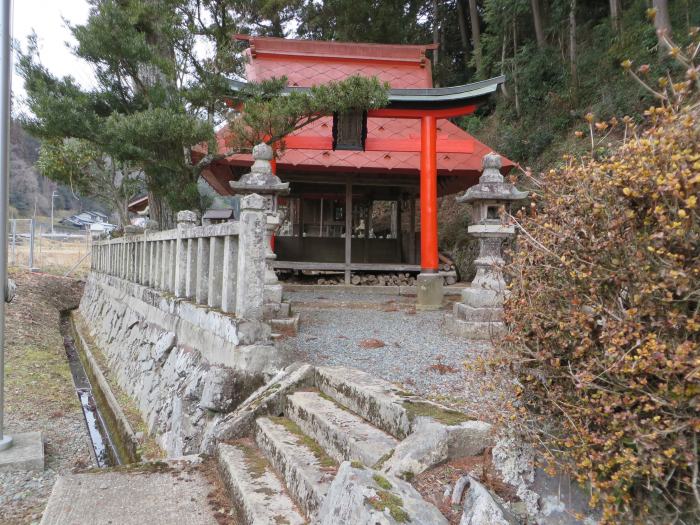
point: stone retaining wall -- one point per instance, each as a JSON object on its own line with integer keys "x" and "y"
{"x": 185, "y": 365}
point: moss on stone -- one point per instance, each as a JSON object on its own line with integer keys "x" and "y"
{"x": 385, "y": 500}
{"x": 327, "y": 397}
{"x": 382, "y": 482}
{"x": 443, "y": 415}
{"x": 404, "y": 393}
{"x": 324, "y": 460}
{"x": 256, "y": 463}
{"x": 357, "y": 464}
{"x": 386, "y": 457}
{"x": 407, "y": 475}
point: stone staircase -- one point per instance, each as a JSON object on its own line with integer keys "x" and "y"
{"x": 330, "y": 445}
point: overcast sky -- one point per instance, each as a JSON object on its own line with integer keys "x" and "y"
{"x": 46, "y": 19}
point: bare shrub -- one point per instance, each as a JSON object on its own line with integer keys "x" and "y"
{"x": 605, "y": 324}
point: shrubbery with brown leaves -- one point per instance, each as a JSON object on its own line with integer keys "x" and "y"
{"x": 605, "y": 323}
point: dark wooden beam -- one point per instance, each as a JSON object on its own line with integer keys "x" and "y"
{"x": 348, "y": 229}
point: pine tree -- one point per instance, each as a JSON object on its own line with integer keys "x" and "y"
{"x": 162, "y": 82}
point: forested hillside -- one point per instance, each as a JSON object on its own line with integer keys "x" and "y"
{"x": 30, "y": 193}
{"x": 562, "y": 58}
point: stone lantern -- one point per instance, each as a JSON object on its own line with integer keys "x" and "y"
{"x": 479, "y": 315}
{"x": 264, "y": 182}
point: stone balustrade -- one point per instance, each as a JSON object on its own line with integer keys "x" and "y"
{"x": 219, "y": 265}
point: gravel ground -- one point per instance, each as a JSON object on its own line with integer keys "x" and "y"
{"x": 40, "y": 394}
{"x": 417, "y": 353}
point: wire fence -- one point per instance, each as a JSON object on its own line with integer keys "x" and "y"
{"x": 34, "y": 246}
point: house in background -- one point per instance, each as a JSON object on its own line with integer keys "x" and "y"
{"x": 90, "y": 220}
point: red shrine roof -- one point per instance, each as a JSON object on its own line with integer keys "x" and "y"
{"x": 317, "y": 62}
{"x": 390, "y": 144}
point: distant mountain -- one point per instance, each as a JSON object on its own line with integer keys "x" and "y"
{"x": 30, "y": 192}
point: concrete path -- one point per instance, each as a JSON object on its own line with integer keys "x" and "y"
{"x": 130, "y": 498}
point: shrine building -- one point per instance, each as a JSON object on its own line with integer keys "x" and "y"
{"x": 344, "y": 169}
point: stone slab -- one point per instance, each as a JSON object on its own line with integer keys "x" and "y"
{"x": 376, "y": 400}
{"x": 429, "y": 291}
{"x": 254, "y": 486}
{"x": 268, "y": 399}
{"x": 452, "y": 290}
{"x": 362, "y": 496}
{"x": 130, "y": 498}
{"x": 26, "y": 453}
{"x": 344, "y": 435}
{"x": 307, "y": 480}
{"x": 478, "y": 330}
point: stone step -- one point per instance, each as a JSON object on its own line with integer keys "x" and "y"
{"x": 304, "y": 466}
{"x": 255, "y": 488}
{"x": 288, "y": 326}
{"x": 378, "y": 401}
{"x": 344, "y": 435}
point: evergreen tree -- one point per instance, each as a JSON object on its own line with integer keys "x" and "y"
{"x": 162, "y": 71}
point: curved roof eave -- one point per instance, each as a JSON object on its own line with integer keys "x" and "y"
{"x": 438, "y": 96}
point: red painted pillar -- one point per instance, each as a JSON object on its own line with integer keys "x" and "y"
{"x": 428, "y": 195}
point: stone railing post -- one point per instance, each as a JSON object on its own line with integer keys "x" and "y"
{"x": 185, "y": 219}
{"x": 262, "y": 181}
{"x": 250, "y": 287}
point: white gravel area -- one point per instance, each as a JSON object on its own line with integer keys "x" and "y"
{"x": 418, "y": 353}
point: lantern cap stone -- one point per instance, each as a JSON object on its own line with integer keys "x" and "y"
{"x": 492, "y": 185}
{"x": 260, "y": 179}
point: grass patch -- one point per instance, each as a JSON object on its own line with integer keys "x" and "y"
{"x": 407, "y": 475}
{"x": 443, "y": 415}
{"x": 302, "y": 439}
{"x": 328, "y": 398}
{"x": 255, "y": 462}
{"x": 382, "y": 482}
{"x": 404, "y": 393}
{"x": 41, "y": 373}
{"x": 385, "y": 500}
{"x": 357, "y": 464}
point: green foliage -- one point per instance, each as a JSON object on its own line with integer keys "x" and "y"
{"x": 388, "y": 21}
{"x": 548, "y": 104}
{"x": 87, "y": 171}
{"x": 157, "y": 98}
{"x": 269, "y": 115}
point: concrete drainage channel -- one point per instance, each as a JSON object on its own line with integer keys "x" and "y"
{"x": 112, "y": 444}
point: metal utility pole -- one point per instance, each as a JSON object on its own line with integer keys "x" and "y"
{"x": 5, "y": 77}
{"x": 53, "y": 196}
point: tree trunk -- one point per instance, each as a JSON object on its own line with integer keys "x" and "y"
{"x": 159, "y": 211}
{"x": 436, "y": 33}
{"x": 662, "y": 21}
{"x": 503, "y": 62}
{"x": 476, "y": 35}
{"x": 515, "y": 69}
{"x": 572, "y": 48}
{"x": 537, "y": 20}
{"x": 615, "y": 10}
{"x": 462, "y": 19}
